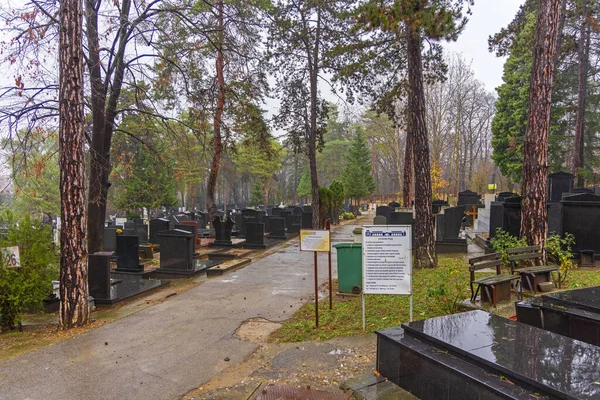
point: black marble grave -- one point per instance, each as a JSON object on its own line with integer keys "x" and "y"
{"x": 447, "y": 231}
{"x": 222, "y": 232}
{"x": 580, "y": 217}
{"x": 554, "y": 217}
{"x": 158, "y": 225}
{"x": 385, "y": 211}
{"x": 504, "y": 195}
{"x": 307, "y": 220}
{"x": 255, "y": 237}
{"x": 278, "y": 229}
{"x": 511, "y": 216}
{"x": 248, "y": 216}
{"x": 571, "y": 313}
{"x": 297, "y": 211}
{"x": 469, "y": 199}
{"x": 128, "y": 256}
{"x": 110, "y": 239}
{"x": 437, "y": 205}
{"x": 393, "y": 205}
{"x": 276, "y": 212}
{"x": 307, "y": 209}
{"x": 295, "y": 223}
{"x": 107, "y": 288}
{"x": 142, "y": 232}
{"x": 477, "y": 355}
{"x": 559, "y": 183}
{"x": 401, "y": 218}
{"x": 177, "y": 256}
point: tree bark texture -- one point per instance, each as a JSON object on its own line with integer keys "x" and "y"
{"x": 217, "y": 122}
{"x": 583, "y": 53}
{"x": 74, "y": 308}
{"x": 424, "y": 255}
{"x": 535, "y": 150}
{"x": 407, "y": 185}
{"x": 313, "y": 66}
{"x": 104, "y": 114}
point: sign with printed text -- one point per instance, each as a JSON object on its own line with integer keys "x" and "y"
{"x": 12, "y": 257}
{"x": 314, "y": 240}
{"x": 387, "y": 259}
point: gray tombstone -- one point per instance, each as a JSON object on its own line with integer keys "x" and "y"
{"x": 379, "y": 220}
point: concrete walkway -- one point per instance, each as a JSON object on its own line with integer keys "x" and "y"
{"x": 166, "y": 350}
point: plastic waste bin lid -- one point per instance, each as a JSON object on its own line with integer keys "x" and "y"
{"x": 347, "y": 245}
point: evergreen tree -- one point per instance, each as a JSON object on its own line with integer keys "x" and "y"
{"x": 304, "y": 186}
{"x": 256, "y": 195}
{"x": 356, "y": 177}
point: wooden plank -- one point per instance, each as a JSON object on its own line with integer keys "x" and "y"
{"x": 487, "y": 257}
{"x": 527, "y": 256}
{"x": 490, "y": 280}
{"x": 528, "y": 249}
{"x": 485, "y": 264}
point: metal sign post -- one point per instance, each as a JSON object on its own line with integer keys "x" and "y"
{"x": 316, "y": 241}
{"x": 387, "y": 262}
{"x": 328, "y": 227}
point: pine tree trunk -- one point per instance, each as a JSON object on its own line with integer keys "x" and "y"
{"x": 535, "y": 150}
{"x": 407, "y": 186}
{"x": 312, "y": 140}
{"x": 74, "y": 297}
{"x": 583, "y": 52}
{"x": 424, "y": 244}
{"x": 217, "y": 143}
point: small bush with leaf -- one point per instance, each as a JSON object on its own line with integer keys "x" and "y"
{"x": 558, "y": 251}
{"x": 451, "y": 289}
{"x": 504, "y": 241}
{"x": 23, "y": 289}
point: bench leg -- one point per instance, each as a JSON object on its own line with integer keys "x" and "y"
{"x": 476, "y": 292}
{"x": 530, "y": 283}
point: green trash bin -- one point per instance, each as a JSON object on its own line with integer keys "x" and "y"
{"x": 349, "y": 263}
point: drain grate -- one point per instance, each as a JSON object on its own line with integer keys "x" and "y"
{"x": 282, "y": 392}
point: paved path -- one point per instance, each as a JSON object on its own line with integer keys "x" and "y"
{"x": 166, "y": 350}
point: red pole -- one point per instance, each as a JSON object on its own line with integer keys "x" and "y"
{"x": 316, "y": 294}
{"x": 328, "y": 227}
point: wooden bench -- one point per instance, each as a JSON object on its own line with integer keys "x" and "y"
{"x": 534, "y": 274}
{"x": 493, "y": 288}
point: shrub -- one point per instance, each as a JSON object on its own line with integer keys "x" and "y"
{"x": 504, "y": 241}
{"x": 450, "y": 290}
{"x": 558, "y": 251}
{"x": 25, "y": 288}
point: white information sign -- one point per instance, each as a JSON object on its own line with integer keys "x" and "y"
{"x": 387, "y": 259}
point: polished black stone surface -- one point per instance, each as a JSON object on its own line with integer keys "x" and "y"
{"x": 223, "y": 231}
{"x": 401, "y": 218}
{"x": 255, "y": 233}
{"x": 307, "y": 220}
{"x": 554, "y": 364}
{"x": 580, "y": 216}
{"x": 559, "y": 183}
{"x": 130, "y": 286}
{"x": 158, "y": 225}
{"x": 585, "y": 298}
{"x": 295, "y": 223}
{"x": 110, "y": 239}
{"x": 385, "y": 211}
{"x": 197, "y": 267}
{"x": 467, "y": 197}
{"x": 511, "y": 218}
{"x": 177, "y": 249}
{"x": 128, "y": 256}
{"x": 99, "y": 281}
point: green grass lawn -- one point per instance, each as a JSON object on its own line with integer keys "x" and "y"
{"x": 435, "y": 293}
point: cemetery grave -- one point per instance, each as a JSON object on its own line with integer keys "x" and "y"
{"x": 108, "y": 288}
{"x": 128, "y": 256}
{"x": 480, "y": 355}
{"x": 448, "y": 224}
{"x": 255, "y": 237}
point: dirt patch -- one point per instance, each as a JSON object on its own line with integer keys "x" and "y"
{"x": 256, "y": 330}
{"x": 320, "y": 365}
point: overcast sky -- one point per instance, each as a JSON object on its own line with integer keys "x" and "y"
{"x": 489, "y": 16}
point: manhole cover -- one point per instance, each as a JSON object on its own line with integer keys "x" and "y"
{"x": 281, "y": 392}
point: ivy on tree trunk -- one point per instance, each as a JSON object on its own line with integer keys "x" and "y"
{"x": 74, "y": 308}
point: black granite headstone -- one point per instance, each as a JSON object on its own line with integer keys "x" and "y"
{"x": 295, "y": 223}
{"x": 276, "y": 212}
{"x": 223, "y": 231}
{"x": 297, "y": 211}
{"x": 401, "y": 218}
{"x": 504, "y": 195}
{"x": 384, "y": 211}
{"x": 129, "y": 225}
{"x": 307, "y": 209}
{"x": 559, "y": 183}
{"x": 467, "y": 197}
{"x": 110, "y": 239}
{"x": 99, "y": 275}
{"x": 142, "y": 232}
{"x": 393, "y": 205}
{"x": 157, "y": 225}
{"x": 128, "y": 256}
{"x": 437, "y": 205}
{"x": 554, "y": 217}
{"x": 255, "y": 233}
{"x": 496, "y": 217}
{"x": 307, "y": 220}
{"x": 452, "y": 222}
{"x": 177, "y": 249}
{"x": 580, "y": 216}
{"x": 277, "y": 228}
{"x": 511, "y": 221}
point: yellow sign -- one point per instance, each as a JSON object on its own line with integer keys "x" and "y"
{"x": 313, "y": 240}
{"x": 492, "y": 186}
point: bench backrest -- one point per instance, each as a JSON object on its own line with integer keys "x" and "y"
{"x": 493, "y": 260}
{"x": 523, "y": 254}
